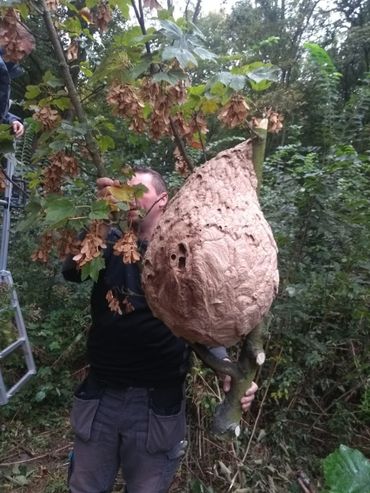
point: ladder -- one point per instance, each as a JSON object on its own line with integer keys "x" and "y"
{"x": 6, "y": 282}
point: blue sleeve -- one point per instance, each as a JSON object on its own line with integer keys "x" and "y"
{"x": 10, "y": 118}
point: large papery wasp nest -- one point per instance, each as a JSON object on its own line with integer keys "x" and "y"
{"x": 210, "y": 271}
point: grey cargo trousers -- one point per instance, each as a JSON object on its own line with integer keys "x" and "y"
{"x": 122, "y": 428}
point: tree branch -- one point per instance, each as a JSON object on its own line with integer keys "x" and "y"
{"x": 180, "y": 145}
{"x": 140, "y": 18}
{"x": 71, "y": 88}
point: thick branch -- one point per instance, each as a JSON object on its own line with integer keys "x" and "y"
{"x": 218, "y": 365}
{"x": 228, "y": 413}
{"x": 71, "y": 88}
{"x": 259, "y": 148}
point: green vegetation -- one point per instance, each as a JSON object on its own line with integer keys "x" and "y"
{"x": 314, "y": 387}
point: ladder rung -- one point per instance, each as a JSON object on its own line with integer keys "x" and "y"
{"x": 14, "y": 345}
{"x": 20, "y": 382}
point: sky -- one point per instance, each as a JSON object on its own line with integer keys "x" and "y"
{"x": 216, "y": 5}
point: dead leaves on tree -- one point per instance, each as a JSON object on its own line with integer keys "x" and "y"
{"x": 60, "y": 166}
{"x": 15, "y": 40}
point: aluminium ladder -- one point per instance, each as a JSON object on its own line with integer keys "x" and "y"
{"x": 7, "y": 281}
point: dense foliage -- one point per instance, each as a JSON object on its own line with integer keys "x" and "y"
{"x": 314, "y": 388}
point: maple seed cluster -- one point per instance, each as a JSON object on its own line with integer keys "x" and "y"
{"x": 45, "y": 246}
{"x": 64, "y": 240}
{"x": 235, "y": 112}
{"x": 52, "y": 5}
{"x": 60, "y": 165}
{"x": 2, "y": 181}
{"x": 92, "y": 244}
{"x": 48, "y": 117}
{"x": 116, "y": 306}
{"x": 126, "y": 103}
{"x": 67, "y": 243}
{"x": 127, "y": 247}
{"x": 15, "y": 40}
{"x": 275, "y": 122}
{"x": 102, "y": 16}
{"x": 181, "y": 166}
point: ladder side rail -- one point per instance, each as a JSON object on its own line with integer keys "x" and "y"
{"x": 22, "y": 328}
{"x": 11, "y": 161}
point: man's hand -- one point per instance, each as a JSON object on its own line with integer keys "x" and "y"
{"x": 103, "y": 184}
{"x": 17, "y": 128}
{"x": 247, "y": 398}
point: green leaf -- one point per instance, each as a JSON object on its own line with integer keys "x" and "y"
{"x": 347, "y": 471}
{"x": 85, "y": 69}
{"x": 92, "y": 269}
{"x": 99, "y": 210}
{"x": 32, "y": 92}
{"x": 105, "y": 142}
{"x": 183, "y": 56}
{"x": 122, "y": 193}
{"x": 123, "y": 6}
{"x": 6, "y": 139}
{"x": 197, "y": 90}
{"x": 51, "y": 80}
{"x": 58, "y": 209}
{"x": 264, "y": 73}
{"x": 204, "y": 54}
{"x": 33, "y": 211}
{"x": 139, "y": 69}
{"x": 166, "y": 77}
{"x": 171, "y": 30}
{"x": 72, "y": 25}
{"x": 40, "y": 396}
{"x": 320, "y": 56}
{"x": 62, "y": 103}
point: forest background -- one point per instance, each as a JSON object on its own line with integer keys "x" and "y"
{"x": 305, "y": 64}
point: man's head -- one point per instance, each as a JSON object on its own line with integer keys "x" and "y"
{"x": 17, "y": 42}
{"x": 152, "y": 202}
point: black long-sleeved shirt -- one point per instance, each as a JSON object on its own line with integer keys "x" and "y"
{"x": 133, "y": 349}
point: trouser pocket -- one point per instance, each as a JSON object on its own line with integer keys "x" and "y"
{"x": 166, "y": 429}
{"x": 86, "y": 402}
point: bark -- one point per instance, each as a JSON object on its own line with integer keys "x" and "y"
{"x": 71, "y": 88}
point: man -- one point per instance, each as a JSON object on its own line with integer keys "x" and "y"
{"x": 9, "y": 69}
{"x": 130, "y": 412}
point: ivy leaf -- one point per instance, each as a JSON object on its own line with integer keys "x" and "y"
{"x": 347, "y": 470}
{"x": 58, "y": 209}
{"x": 183, "y": 56}
{"x": 92, "y": 269}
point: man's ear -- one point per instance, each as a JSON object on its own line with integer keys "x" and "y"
{"x": 163, "y": 201}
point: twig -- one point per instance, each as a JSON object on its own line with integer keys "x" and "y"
{"x": 201, "y": 140}
{"x": 261, "y": 407}
{"x": 51, "y": 452}
{"x": 180, "y": 145}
